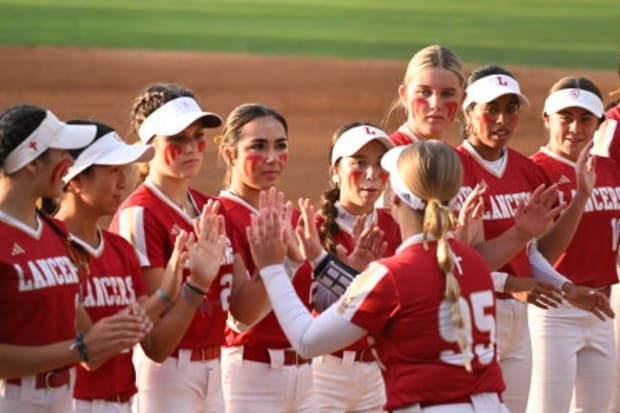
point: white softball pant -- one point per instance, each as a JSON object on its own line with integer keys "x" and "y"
{"x": 253, "y": 386}
{"x": 480, "y": 403}
{"x": 345, "y": 385}
{"x": 514, "y": 352}
{"x": 573, "y": 361}
{"x": 100, "y": 406}
{"x": 26, "y": 398}
{"x": 614, "y": 405}
{"x": 178, "y": 385}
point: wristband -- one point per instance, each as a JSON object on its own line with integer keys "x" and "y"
{"x": 189, "y": 294}
{"x": 80, "y": 346}
{"x": 195, "y": 289}
{"x": 164, "y": 297}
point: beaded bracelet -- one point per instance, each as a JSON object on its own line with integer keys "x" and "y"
{"x": 164, "y": 297}
{"x": 80, "y": 346}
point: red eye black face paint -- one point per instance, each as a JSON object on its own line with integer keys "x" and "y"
{"x": 420, "y": 106}
{"x": 250, "y": 162}
{"x": 171, "y": 151}
{"x": 202, "y": 145}
{"x": 59, "y": 171}
{"x": 383, "y": 177}
{"x": 354, "y": 178}
{"x": 452, "y": 108}
{"x": 284, "y": 158}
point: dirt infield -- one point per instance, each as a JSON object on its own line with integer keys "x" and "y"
{"x": 316, "y": 95}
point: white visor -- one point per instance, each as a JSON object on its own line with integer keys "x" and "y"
{"x": 569, "y": 98}
{"x": 110, "y": 149}
{"x": 51, "y": 133}
{"x": 355, "y": 138}
{"x": 174, "y": 116}
{"x": 389, "y": 162}
{"x": 491, "y": 87}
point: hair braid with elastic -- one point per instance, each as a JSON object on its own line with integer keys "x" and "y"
{"x": 328, "y": 211}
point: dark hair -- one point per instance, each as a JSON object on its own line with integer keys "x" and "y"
{"x": 578, "y": 82}
{"x": 329, "y": 228}
{"x": 16, "y": 124}
{"x": 102, "y": 129}
{"x": 238, "y": 118}
{"x": 477, "y": 74}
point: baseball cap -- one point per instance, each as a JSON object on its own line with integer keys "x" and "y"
{"x": 51, "y": 133}
{"x": 568, "y": 98}
{"x": 109, "y": 149}
{"x": 355, "y": 138}
{"x": 491, "y": 87}
{"x": 389, "y": 162}
{"x": 174, "y": 116}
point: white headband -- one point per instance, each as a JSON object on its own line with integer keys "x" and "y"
{"x": 174, "y": 116}
{"x": 51, "y": 133}
{"x": 355, "y": 138}
{"x": 389, "y": 162}
{"x": 491, "y": 87}
{"x": 567, "y": 98}
{"x": 110, "y": 149}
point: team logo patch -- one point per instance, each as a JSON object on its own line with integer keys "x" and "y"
{"x": 564, "y": 180}
{"x": 17, "y": 249}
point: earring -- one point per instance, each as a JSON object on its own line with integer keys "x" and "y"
{"x": 335, "y": 179}
{"x": 77, "y": 191}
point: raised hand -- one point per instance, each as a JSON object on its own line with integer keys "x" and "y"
{"x": 173, "y": 275}
{"x": 307, "y": 233}
{"x": 534, "y": 217}
{"x": 585, "y": 171}
{"x": 113, "y": 334}
{"x": 369, "y": 245}
{"x": 206, "y": 249}
{"x": 267, "y": 236}
{"x": 469, "y": 229}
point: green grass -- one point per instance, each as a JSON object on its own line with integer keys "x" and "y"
{"x": 561, "y": 33}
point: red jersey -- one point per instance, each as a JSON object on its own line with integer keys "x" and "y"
{"x": 407, "y": 314}
{"x": 582, "y": 264}
{"x": 114, "y": 282}
{"x": 511, "y": 183}
{"x": 267, "y": 332}
{"x": 403, "y": 136}
{"x": 150, "y": 221}
{"x": 38, "y": 283}
{"x": 607, "y": 138}
{"x": 343, "y": 237}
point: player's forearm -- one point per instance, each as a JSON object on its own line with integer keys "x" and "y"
{"x": 18, "y": 361}
{"x": 310, "y": 337}
{"x": 542, "y": 270}
{"x": 555, "y": 241}
{"x": 498, "y": 251}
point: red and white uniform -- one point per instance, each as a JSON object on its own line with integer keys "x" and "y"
{"x": 350, "y": 379}
{"x": 114, "y": 282}
{"x": 403, "y": 136}
{"x": 573, "y": 350}
{"x": 509, "y": 180}
{"x": 150, "y": 221}
{"x": 607, "y": 143}
{"x": 38, "y": 290}
{"x": 260, "y": 372}
{"x": 406, "y": 313}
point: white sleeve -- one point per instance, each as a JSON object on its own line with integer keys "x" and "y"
{"x": 542, "y": 270}
{"x": 499, "y": 281}
{"x": 309, "y": 336}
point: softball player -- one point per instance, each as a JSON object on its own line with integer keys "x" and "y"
{"x": 260, "y": 371}
{"x": 491, "y": 112}
{"x": 573, "y": 350}
{"x": 430, "y": 94}
{"x": 95, "y": 184}
{"x": 169, "y": 118}
{"x": 446, "y": 363}
{"x": 38, "y": 341}
{"x": 350, "y": 380}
